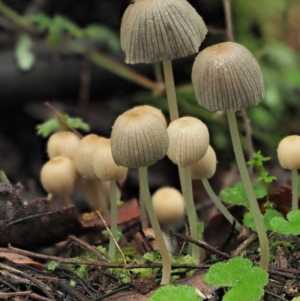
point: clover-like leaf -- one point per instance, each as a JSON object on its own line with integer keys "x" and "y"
{"x": 175, "y": 293}
{"x": 246, "y": 282}
{"x": 289, "y": 226}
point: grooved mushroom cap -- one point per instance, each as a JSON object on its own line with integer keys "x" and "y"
{"x": 62, "y": 144}
{"x": 138, "y": 139}
{"x": 59, "y": 176}
{"x": 168, "y": 204}
{"x": 104, "y": 165}
{"x": 289, "y": 152}
{"x": 159, "y": 30}
{"x": 83, "y": 155}
{"x": 189, "y": 139}
{"x": 205, "y": 168}
{"x": 153, "y": 110}
{"x": 226, "y": 76}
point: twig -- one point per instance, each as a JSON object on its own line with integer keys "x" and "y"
{"x": 88, "y": 247}
{"x": 201, "y": 244}
{"x": 111, "y": 235}
{"x": 244, "y": 245}
{"x": 286, "y": 275}
{"x": 4, "y": 296}
{"x": 276, "y": 296}
{"x": 58, "y": 116}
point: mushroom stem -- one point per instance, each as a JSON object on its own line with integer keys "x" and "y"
{"x": 170, "y": 87}
{"x": 143, "y": 212}
{"x": 187, "y": 192}
{"x": 220, "y": 205}
{"x": 294, "y": 189}
{"x": 146, "y": 197}
{"x": 113, "y": 219}
{"x": 254, "y": 208}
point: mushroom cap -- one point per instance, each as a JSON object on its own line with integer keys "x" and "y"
{"x": 83, "y": 155}
{"x": 289, "y": 152}
{"x": 62, "y": 143}
{"x": 103, "y": 164}
{"x": 189, "y": 140}
{"x": 159, "y": 30}
{"x": 152, "y": 110}
{"x": 205, "y": 168}
{"x": 138, "y": 139}
{"x": 59, "y": 176}
{"x": 226, "y": 76}
{"x": 168, "y": 204}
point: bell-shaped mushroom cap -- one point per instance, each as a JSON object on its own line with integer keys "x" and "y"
{"x": 59, "y": 176}
{"x": 205, "y": 168}
{"x": 62, "y": 143}
{"x": 168, "y": 204}
{"x": 152, "y": 110}
{"x": 159, "y": 30}
{"x": 189, "y": 139}
{"x": 138, "y": 139}
{"x": 104, "y": 165}
{"x": 83, "y": 155}
{"x": 226, "y": 76}
{"x": 289, "y": 152}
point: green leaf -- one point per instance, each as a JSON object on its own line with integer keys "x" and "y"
{"x": 247, "y": 282}
{"x": 48, "y": 127}
{"x": 289, "y": 226}
{"x": 41, "y": 20}
{"x": 175, "y": 293}
{"x": 52, "y": 265}
{"x": 237, "y": 194}
{"x": 25, "y": 57}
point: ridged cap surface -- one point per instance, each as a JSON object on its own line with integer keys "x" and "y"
{"x": 159, "y": 30}
{"x": 189, "y": 139}
{"x": 153, "y": 110}
{"x": 289, "y": 152}
{"x": 205, "y": 168}
{"x": 226, "y": 76}
{"x": 138, "y": 139}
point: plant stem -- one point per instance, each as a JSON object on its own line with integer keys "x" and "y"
{"x": 3, "y": 177}
{"x": 166, "y": 270}
{"x": 170, "y": 87}
{"x": 187, "y": 192}
{"x": 294, "y": 189}
{"x": 254, "y": 208}
{"x": 113, "y": 218}
{"x": 143, "y": 212}
{"x": 220, "y": 205}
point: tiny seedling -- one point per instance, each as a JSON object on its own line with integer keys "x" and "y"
{"x": 175, "y": 293}
{"x": 244, "y": 281}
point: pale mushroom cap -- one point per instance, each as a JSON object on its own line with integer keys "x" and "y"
{"x": 159, "y": 30}
{"x": 289, "y": 152}
{"x": 104, "y": 165}
{"x": 83, "y": 155}
{"x": 152, "y": 110}
{"x": 205, "y": 168}
{"x": 59, "y": 176}
{"x": 169, "y": 205}
{"x": 138, "y": 139}
{"x": 189, "y": 140}
{"x": 62, "y": 143}
{"x": 226, "y": 76}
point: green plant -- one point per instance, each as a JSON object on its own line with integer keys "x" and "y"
{"x": 244, "y": 281}
{"x": 291, "y": 225}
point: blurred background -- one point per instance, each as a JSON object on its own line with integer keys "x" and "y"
{"x": 67, "y": 53}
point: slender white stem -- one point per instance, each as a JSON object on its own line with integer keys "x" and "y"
{"x": 113, "y": 218}
{"x": 294, "y": 189}
{"x": 166, "y": 270}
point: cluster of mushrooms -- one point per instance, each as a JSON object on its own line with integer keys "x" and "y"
{"x": 225, "y": 76}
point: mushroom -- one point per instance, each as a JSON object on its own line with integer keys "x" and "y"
{"x": 154, "y": 31}
{"x": 289, "y": 157}
{"x": 105, "y": 169}
{"x": 59, "y": 177}
{"x": 204, "y": 169}
{"x": 189, "y": 140}
{"x": 139, "y": 139}
{"x": 226, "y": 76}
{"x": 62, "y": 143}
